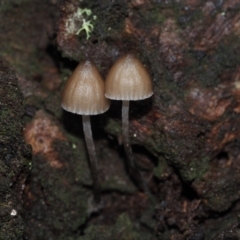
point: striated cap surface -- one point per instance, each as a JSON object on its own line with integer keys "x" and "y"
{"x": 84, "y": 91}
{"x": 128, "y": 79}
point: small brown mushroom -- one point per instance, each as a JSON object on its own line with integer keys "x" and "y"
{"x": 84, "y": 94}
{"x": 129, "y": 80}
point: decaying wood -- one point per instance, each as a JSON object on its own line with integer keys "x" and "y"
{"x": 186, "y": 138}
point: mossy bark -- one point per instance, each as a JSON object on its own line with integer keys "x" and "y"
{"x": 187, "y": 134}
{"x": 15, "y": 156}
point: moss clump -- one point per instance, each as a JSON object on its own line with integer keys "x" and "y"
{"x": 185, "y": 16}
{"x": 79, "y": 160}
{"x": 26, "y": 59}
{"x": 114, "y": 127}
{"x": 162, "y": 168}
{"x": 195, "y": 169}
{"x": 122, "y": 230}
{"x": 12, "y": 4}
{"x": 207, "y": 68}
{"x": 110, "y": 17}
{"x": 14, "y": 156}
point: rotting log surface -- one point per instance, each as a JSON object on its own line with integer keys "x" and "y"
{"x": 15, "y": 156}
{"x": 191, "y": 125}
{"x": 187, "y": 135}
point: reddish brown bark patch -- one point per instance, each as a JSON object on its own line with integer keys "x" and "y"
{"x": 41, "y": 133}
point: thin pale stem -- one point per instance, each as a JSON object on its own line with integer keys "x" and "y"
{"x": 92, "y": 155}
{"x": 133, "y": 168}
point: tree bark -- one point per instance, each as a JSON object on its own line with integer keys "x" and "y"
{"x": 15, "y": 156}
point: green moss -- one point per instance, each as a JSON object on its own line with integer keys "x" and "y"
{"x": 187, "y": 17}
{"x": 122, "y": 230}
{"x": 150, "y": 17}
{"x": 186, "y": 153}
{"x": 14, "y": 155}
{"x": 8, "y": 234}
{"x": 114, "y": 127}
{"x": 19, "y": 57}
{"x": 79, "y": 160}
{"x": 52, "y": 104}
{"x": 227, "y": 225}
{"x": 61, "y": 207}
{"x": 207, "y": 68}
{"x": 8, "y": 116}
{"x": 67, "y": 201}
{"x": 195, "y": 169}
{"x": 114, "y": 183}
{"x": 5, "y": 6}
{"x": 15, "y": 18}
{"x": 162, "y": 168}
{"x": 220, "y": 186}
{"x": 110, "y": 18}
{"x": 171, "y": 9}
{"x": 170, "y": 86}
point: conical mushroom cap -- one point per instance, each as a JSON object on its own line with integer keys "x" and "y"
{"x": 84, "y": 91}
{"x": 128, "y": 80}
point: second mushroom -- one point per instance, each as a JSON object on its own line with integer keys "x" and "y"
{"x": 129, "y": 80}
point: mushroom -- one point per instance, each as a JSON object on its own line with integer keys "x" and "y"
{"x": 84, "y": 94}
{"x": 129, "y": 80}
